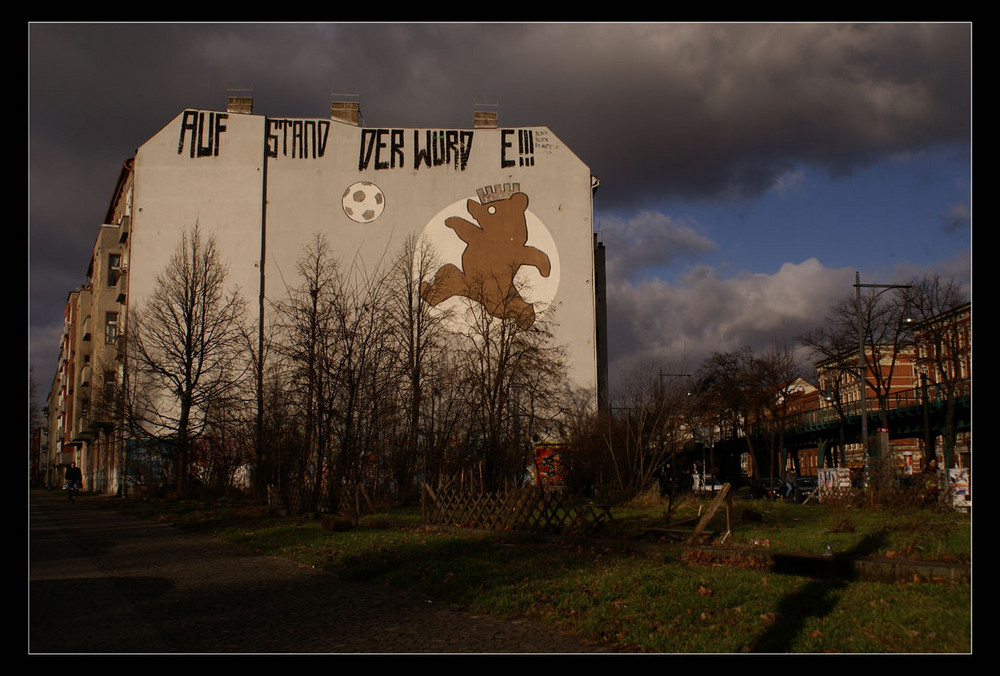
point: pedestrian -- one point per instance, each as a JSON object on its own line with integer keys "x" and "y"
{"x": 931, "y": 481}
{"x": 74, "y": 480}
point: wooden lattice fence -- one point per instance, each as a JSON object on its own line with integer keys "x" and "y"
{"x": 527, "y": 509}
{"x": 302, "y": 499}
{"x": 293, "y": 499}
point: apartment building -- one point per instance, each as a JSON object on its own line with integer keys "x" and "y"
{"x": 944, "y": 365}
{"x": 82, "y": 400}
{"x": 932, "y": 372}
{"x": 264, "y": 188}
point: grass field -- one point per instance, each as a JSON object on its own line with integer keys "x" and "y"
{"x": 663, "y": 603}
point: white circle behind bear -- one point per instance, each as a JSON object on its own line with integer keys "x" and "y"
{"x": 448, "y": 248}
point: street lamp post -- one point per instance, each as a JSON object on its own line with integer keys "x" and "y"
{"x": 673, "y": 433}
{"x": 861, "y": 361}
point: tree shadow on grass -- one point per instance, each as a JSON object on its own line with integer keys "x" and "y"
{"x": 817, "y": 598}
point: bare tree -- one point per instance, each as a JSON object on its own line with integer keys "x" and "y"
{"x": 515, "y": 375}
{"x": 735, "y": 391}
{"x": 636, "y": 444}
{"x": 884, "y": 333}
{"x": 263, "y": 431}
{"x": 777, "y": 373}
{"x": 307, "y": 345}
{"x": 358, "y": 346}
{"x": 946, "y": 344}
{"x": 447, "y": 417}
{"x": 361, "y": 370}
{"x": 418, "y": 335}
{"x": 184, "y": 353}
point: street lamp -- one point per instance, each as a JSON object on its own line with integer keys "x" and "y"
{"x": 673, "y": 432}
{"x": 861, "y": 360}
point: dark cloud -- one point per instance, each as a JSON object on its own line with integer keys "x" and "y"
{"x": 957, "y": 220}
{"x": 722, "y": 110}
{"x": 649, "y": 241}
{"x": 658, "y": 111}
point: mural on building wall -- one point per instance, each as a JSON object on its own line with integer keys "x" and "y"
{"x": 496, "y": 249}
{"x": 363, "y": 202}
{"x": 525, "y": 148}
{"x": 495, "y": 252}
{"x": 201, "y": 135}
{"x": 298, "y": 139}
{"x": 202, "y": 132}
{"x": 386, "y": 149}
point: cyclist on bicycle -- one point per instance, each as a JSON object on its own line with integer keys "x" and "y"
{"x": 74, "y": 480}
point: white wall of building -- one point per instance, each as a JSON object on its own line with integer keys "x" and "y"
{"x": 217, "y": 169}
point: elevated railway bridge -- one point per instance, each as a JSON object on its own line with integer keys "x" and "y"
{"x": 918, "y": 413}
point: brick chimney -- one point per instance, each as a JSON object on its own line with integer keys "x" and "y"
{"x": 484, "y": 119}
{"x": 348, "y": 112}
{"x": 240, "y": 104}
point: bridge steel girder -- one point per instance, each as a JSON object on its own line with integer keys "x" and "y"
{"x": 904, "y": 423}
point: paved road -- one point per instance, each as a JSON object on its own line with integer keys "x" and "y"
{"x": 102, "y": 582}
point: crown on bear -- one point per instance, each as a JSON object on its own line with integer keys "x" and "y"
{"x": 495, "y": 193}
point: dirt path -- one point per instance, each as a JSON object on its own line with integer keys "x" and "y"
{"x": 103, "y": 582}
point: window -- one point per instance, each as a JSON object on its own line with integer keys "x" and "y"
{"x": 114, "y": 268}
{"x": 111, "y": 327}
{"x": 109, "y": 387}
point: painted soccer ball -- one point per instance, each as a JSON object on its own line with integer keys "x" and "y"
{"x": 363, "y": 202}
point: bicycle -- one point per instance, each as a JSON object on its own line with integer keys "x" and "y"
{"x": 72, "y": 490}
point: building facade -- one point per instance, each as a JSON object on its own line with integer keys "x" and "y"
{"x": 80, "y": 409}
{"x": 944, "y": 364}
{"x": 513, "y": 205}
{"x": 934, "y": 371}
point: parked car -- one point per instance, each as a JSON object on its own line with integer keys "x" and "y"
{"x": 705, "y": 483}
{"x": 772, "y": 489}
{"x": 803, "y": 487}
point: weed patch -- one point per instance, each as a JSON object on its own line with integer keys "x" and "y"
{"x": 700, "y": 603}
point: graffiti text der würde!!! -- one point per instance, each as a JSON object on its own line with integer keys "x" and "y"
{"x": 386, "y": 148}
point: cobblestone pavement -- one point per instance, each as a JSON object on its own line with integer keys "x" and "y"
{"x": 102, "y": 582}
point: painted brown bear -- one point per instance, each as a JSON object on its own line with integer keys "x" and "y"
{"x": 495, "y": 250}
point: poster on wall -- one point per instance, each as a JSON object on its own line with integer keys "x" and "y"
{"x": 960, "y": 488}
{"x": 548, "y": 465}
{"x": 833, "y": 480}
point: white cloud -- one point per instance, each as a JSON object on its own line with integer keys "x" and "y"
{"x": 788, "y": 181}
{"x": 657, "y": 322}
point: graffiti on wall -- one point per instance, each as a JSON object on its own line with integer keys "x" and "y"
{"x": 386, "y": 149}
{"x": 201, "y": 135}
{"x": 298, "y": 139}
{"x": 496, "y": 249}
{"x": 202, "y": 132}
{"x": 525, "y": 148}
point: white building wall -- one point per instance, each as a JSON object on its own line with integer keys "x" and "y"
{"x": 207, "y": 168}
{"x": 309, "y": 169}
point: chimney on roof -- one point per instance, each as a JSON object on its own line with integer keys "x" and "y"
{"x": 348, "y": 112}
{"x": 239, "y": 104}
{"x": 484, "y": 119}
